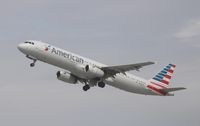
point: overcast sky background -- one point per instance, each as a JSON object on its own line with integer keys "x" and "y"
{"x": 112, "y": 32}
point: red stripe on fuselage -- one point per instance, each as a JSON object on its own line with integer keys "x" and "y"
{"x": 168, "y": 77}
{"x": 174, "y": 66}
{"x": 157, "y": 84}
{"x": 165, "y": 82}
{"x": 171, "y": 71}
{"x": 156, "y": 90}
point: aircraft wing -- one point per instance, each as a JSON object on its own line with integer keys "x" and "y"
{"x": 113, "y": 70}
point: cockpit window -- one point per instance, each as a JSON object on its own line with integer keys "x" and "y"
{"x": 32, "y": 43}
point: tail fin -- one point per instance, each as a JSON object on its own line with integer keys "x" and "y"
{"x": 162, "y": 79}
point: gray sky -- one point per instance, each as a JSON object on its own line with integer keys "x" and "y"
{"x": 112, "y": 32}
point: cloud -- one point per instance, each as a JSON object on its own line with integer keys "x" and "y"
{"x": 189, "y": 31}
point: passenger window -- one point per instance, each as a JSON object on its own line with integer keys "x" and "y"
{"x": 32, "y": 43}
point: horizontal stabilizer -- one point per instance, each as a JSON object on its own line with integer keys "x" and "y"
{"x": 166, "y": 90}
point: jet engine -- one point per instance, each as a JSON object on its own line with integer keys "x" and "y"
{"x": 66, "y": 77}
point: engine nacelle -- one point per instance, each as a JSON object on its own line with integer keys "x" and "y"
{"x": 66, "y": 77}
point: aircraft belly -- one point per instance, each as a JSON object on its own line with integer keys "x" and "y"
{"x": 126, "y": 84}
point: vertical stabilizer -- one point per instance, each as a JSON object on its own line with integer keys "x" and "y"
{"x": 162, "y": 79}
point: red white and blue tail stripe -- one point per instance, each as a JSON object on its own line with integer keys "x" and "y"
{"x": 164, "y": 76}
{"x": 159, "y": 83}
{"x": 162, "y": 79}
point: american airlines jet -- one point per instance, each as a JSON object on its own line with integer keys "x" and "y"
{"x": 78, "y": 69}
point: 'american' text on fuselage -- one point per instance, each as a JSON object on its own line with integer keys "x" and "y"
{"x": 67, "y": 55}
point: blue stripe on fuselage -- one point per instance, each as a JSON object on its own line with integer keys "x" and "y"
{"x": 161, "y": 74}
{"x": 163, "y": 71}
{"x": 157, "y": 79}
{"x": 160, "y": 77}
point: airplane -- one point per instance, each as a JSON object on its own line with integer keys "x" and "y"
{"x": 78, "y": 69}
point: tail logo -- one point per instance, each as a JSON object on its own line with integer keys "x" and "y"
{"x": 165, "y": 75}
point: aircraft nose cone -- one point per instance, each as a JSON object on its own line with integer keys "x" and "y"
{"x": 21, "y": 47}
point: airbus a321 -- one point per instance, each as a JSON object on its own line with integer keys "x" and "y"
{"x": 78, "y": 69}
